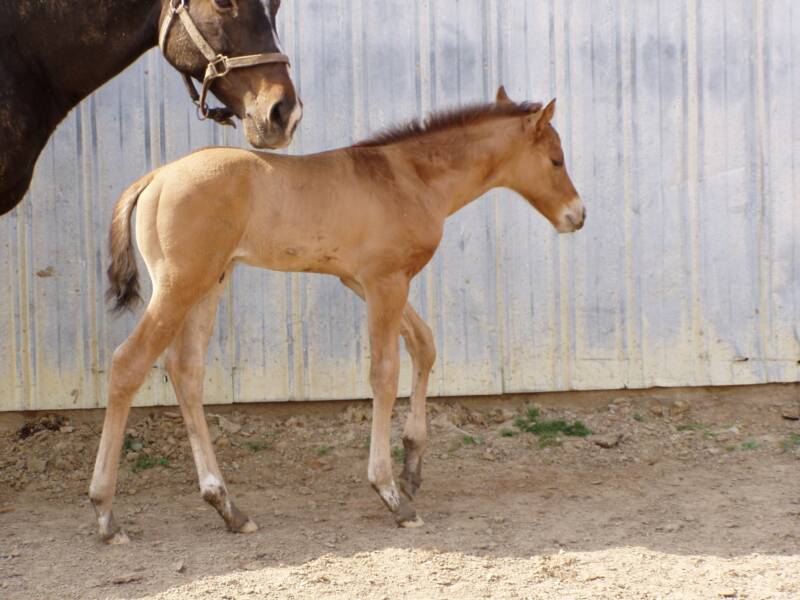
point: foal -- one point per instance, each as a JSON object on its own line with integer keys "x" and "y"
{"x": 371, "y": 214}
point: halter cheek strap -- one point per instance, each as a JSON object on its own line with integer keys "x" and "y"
{"x": 219, "y": 65}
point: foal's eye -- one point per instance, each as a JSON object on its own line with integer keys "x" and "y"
{"x": 224, "y": 4}
{"x": 557, "y": 163}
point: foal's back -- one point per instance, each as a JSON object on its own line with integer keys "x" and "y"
{"x": 319, "y": 213}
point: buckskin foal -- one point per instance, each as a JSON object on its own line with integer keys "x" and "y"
{"x": 371, "y": 214}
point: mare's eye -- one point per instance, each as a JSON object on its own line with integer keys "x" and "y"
{"x": 557, "y": 163}
{"x": 224, "y": 4}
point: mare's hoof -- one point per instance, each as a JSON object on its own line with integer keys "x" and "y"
{"x": 117, "y": 538}
{"x": 248, "y": 527}
{"x": 416, "y": 522}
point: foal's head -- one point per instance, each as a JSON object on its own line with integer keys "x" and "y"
{"x": 537, "y": 170}
{"x": 262, "y": 95}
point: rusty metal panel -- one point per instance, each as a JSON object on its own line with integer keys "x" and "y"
{"x": 679, "y": 124}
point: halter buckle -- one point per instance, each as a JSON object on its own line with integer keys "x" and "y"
{"x": 218, "y": 67}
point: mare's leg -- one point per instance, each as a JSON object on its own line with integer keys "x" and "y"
{"x": 186, "y": 359}
{"x": 386, "y": 298}
{"x": 129, "y": 366}
{"x": 420, "y": 345}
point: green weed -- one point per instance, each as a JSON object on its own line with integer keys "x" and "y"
{"x": 399, "y": 453}
{"x": 132, "y": 444}
{"x": 690, "y": 426}
{"x": 750, "y": 445}
{"x": 548, "y": 430}
{"x": 323, "y": 450}
{"x": 793, "y": 441}
{"x": 145, "y": 461}
{"x": 257, "y": 445}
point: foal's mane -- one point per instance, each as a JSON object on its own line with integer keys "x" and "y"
{"x": 449, "y": 119}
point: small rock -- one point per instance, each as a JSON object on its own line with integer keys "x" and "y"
{"x": 227, "y": 425}
{"x": 129, "y": 578}
{"x": 729, "y": 594}
{"x": 609, "y": 440}
{"x": 172, "y": 415}
{"x": 657, "y": 409}
{"x": 442, "y": 421}
{"x": 678, "y": 407}
{"x": 295, "y": 422}
{"x": 670, "y": 528}
{"x": 67, "y": 429}
{"x": 62, "y": 464}
{"x": 223, "y": 442}
{"x": 37, "y": 465}
{"x": 179, "y": 566}
{"x": 734, "y": 430}
{"x": 792, "y": 413}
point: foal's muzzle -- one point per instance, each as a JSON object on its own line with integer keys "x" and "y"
{"x": 573, "y": 218}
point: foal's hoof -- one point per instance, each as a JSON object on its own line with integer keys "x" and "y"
{"x": 117, "y": 538}
{"x": 416, "y": 522}
{"x": 248, "y": 527}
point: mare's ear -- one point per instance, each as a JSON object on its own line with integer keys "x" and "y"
{"x": 274, "y": 5}
{"x": 502, "y": 97}
{"x": 536, "y": 123}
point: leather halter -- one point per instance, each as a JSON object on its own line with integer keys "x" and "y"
{"x": 219, "y": 65}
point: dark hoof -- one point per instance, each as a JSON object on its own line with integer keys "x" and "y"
{"x": 406, "y": 515}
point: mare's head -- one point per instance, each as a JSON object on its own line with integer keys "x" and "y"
{"x": 537, "y": 172}
{"x": 262, "y": 95}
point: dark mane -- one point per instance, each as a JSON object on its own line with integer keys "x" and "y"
{"x": 449, "y": 119}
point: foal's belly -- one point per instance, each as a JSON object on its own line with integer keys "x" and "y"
{"x": 296, "y": 257}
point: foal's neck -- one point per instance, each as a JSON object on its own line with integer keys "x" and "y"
{"x": 461, "y": 164}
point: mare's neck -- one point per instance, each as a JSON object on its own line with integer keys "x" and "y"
{"x": 72, "y": 48}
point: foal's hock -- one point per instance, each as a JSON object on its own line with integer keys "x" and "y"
{"x": 371, "y": 214}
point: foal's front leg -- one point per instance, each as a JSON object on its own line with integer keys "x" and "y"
{"x": 420, "y": 345}
{"x": 386, "y": 298}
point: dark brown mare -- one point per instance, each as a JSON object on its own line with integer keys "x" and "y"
{"x": 53, "y": 53}
{"x": 372, "y": 215}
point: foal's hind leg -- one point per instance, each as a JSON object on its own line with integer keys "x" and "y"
{"x": 129, "y": 366}
{"x": 186, "y": 358}
{"x": 419, "y": 343}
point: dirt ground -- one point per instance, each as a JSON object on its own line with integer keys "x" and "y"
{"x": 676, "y": 494}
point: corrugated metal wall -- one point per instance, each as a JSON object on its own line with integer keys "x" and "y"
{"x": 679, "y": 123}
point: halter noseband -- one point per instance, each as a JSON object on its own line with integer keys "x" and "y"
{"x": 219, "y": 65}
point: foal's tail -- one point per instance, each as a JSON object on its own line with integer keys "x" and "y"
{"x": 122, "y": 272}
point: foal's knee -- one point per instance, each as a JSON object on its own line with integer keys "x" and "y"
{"x": 126, "y": 375}
{"x": 383, "y": 373}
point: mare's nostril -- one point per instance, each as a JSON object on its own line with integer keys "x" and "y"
{"x": 280, "y": 113}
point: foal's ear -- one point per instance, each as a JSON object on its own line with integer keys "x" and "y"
{"x": 535, "y": 123}
{"x": 502, "y": 97}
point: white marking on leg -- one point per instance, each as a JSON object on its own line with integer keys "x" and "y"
{"x": 390, "y": 496}
{"x": 209, "y": 483}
